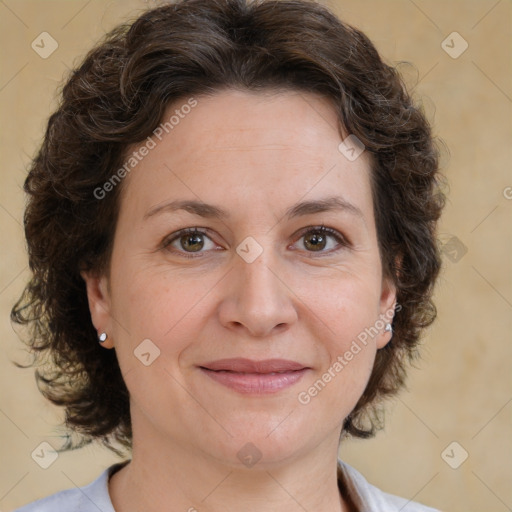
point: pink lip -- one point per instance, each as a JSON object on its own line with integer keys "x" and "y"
{"x": 255, "y": 377}
{"x": 241, "y": 365}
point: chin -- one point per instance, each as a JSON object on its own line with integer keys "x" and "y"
{"x": 260, "y": 445}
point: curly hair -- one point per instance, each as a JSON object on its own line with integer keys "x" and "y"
{"x": 117, "y": 97}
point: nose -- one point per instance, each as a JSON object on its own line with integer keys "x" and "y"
{"x": 257, "y": 300}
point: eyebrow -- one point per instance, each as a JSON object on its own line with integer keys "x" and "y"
{"x": 211, "y": 211}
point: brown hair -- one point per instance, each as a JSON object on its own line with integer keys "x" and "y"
{"x": 117, "y": 96}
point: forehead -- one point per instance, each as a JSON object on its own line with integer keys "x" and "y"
{"x": 276, "y": 119}
{"x": 273, "y": 146}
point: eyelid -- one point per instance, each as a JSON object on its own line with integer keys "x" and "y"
{"x": 321, "y": 228}
{"x": 339, "y": 237}
{"x": 168, "y": 240}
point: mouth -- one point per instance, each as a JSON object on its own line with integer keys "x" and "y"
{"x": 255, "y": 377}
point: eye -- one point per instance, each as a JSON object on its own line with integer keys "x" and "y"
{"x": 188, "y": 241}
{"x": 321, "y": 239}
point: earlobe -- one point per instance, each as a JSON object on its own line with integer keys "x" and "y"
{"x": 387, "y": 312}
{"x": 99, "y": 304}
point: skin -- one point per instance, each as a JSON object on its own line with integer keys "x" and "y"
{"x": 255, "y": 155}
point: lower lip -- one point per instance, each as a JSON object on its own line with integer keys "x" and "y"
{"x": 256, "y": 383}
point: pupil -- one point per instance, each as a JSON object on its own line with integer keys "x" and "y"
{"x": 316, "y": 241}
{"x": 193, "y": 242}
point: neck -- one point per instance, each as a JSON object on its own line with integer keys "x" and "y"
{"x": 165, "y": 476}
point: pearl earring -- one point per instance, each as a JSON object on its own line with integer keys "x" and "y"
{"x": 388, "y": 328}
{"x": 102, "y": 337}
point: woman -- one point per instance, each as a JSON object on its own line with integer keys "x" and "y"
{"x": 238, "y": 201}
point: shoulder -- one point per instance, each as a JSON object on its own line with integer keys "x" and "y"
{"x": 70, "y": 499}
{"x": 369, "y": 498}
{"x": 90, "y": 498}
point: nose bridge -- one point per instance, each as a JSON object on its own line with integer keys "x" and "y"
{"x": 260, "y": 286}
{"x": 259, "y": 299}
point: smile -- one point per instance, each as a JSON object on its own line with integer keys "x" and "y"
{"x": 255, "y": 377}
{"x": 255, "y": 383}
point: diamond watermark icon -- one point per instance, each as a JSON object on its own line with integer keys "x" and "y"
{"x": 454, "y": 45}
{"x": 454, "y": 455}
{"x": 44, "y": 455}
{"x": 44, "y": 45}
{"x": 146, "y": 352}
{"x": 249, "y": 455}
{"x": 351, "y": 148}
{"x": 454, "y": 249}
{"x": 249, "y": 249}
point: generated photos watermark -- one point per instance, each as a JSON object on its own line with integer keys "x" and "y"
{"x": 150, "y": 143}
{"x": 304, "y": 397}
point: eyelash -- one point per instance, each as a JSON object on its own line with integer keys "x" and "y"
{"x": 310, "y": 229}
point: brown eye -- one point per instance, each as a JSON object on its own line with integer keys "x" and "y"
{"x": 192, "y": 243}
{"x": 322, "y": 240}
{"x": 315, "y": 241}
{"x": 188, "y": 241}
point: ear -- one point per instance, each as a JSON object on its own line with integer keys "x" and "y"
{"x": 387, "y": 310}
{"x": 98, "y": 296}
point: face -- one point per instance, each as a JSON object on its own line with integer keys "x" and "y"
{"x": 279, "y": 273}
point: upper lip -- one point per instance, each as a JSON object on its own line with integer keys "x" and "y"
{"x": 241, "y": 365}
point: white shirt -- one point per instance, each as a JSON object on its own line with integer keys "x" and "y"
{"x": 95, "y": 497}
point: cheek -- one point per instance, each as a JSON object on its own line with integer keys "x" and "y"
{"x": 346, "y": 312}
{"x": 344, "y": 304}
{"x": 159, "y": 305}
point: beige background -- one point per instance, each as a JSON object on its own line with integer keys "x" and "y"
{"x": 463, "y": 390}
